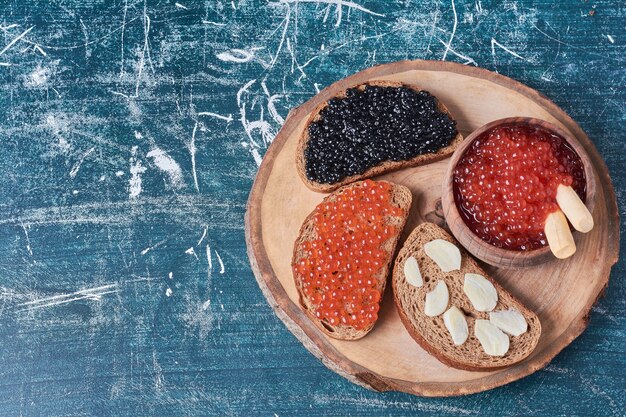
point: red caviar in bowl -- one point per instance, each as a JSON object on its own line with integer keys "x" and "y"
{"x": 505, "y": 184}
{"x": 340, "y": 266}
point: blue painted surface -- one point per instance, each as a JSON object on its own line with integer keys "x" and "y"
{"x": 131, "y": 133}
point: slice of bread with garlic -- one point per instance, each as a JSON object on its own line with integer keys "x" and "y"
{"x": 454, "y": 310}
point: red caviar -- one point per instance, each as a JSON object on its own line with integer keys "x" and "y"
{"x": 340, "y": 266}
{"x": 505, "y": 184}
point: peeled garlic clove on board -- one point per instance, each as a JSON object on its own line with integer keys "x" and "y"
{"x": 455, "y": 322}
{"x": 493, "y": 340}
{"x": 412, "y": 272}
{"x": 510, "y": 321}
{"x": 480, "y": 292}
{"x": 445, "y": 254}
{"x": 437, "y": 300}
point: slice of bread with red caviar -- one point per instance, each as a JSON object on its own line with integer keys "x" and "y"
{"x": 463, "y": 317}
{"x": 343, "y": 255}
{"x": 370, "y": 129}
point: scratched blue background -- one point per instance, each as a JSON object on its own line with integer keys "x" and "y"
{"x": 131, "y": 133}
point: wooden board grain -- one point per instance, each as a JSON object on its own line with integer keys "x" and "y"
{"x": 388, "y": 359}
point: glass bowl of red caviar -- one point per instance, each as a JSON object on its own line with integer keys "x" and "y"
{"x": 500, "y": 187}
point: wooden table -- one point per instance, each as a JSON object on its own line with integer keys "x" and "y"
{"x": 131, "y": 134}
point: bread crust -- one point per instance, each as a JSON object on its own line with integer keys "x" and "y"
{"x": 401, "y": 196}
{"x": 384, "y": 167}
{"x": 450, "y": 354}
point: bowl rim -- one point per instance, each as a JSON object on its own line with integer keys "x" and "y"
{"x": 475, "y": 245}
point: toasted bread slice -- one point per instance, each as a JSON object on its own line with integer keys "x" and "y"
{"x": 381, "y": 168}
{"x": 431, "y": 332}
{"x": 400, "y": 198}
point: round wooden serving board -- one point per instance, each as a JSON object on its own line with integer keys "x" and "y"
{"x": 560, "y": 292}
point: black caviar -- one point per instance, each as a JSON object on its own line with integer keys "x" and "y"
{"x": 372, "y": 126}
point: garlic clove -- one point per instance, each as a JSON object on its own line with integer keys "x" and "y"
{"x": 437, "y": 300}
{"x": 456, "y": 323}
{"x": 509, "y": 321}
{"x": 493, "y": 340}
{"x": 412, "y": 272}
{"x": 445, "y": 254}
{"x": 480, "y": 291}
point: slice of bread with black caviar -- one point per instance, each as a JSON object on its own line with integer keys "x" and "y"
{"x": 343, "y": 254}
{"x": 370, "y": 129}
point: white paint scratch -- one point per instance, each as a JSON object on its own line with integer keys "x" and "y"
{"x": 209, "y": 261}
{"x": 610, "y": 38}
{"x": 236, "y": 55}
{"x": 208, "y": 22}
{"x": 86, "y": 36}
{"x": 191, "y": 251}
{"x": 493, "y": 50}
{"x": 604, "y": 312}
{"x": 168, "y": 165}
{"x": 191, "y": 147}
{"x": 40, "y": 50}
{"x": 338, "y": 3}
{"x": 190, "y": 210}
{"x": 180, "y": 6}
{"x": 228, "y": 118}
{"x": 158, "y": 371}
{"x": 285, "y": 22}
{"x": 339, "y": 12}
{"x": 267, "y": 133}
{"x": 449, "y": 44}
{"x": 587, "y": 382}
{"x": 257, "y": 156}
{"x": 77, "y": 165}
{"x": 207, "y": 303}
{"x": 379, "y": 404}
{"x": 271, "y": 107}
{"x": 122, "y": 41}
{"x": 93, "y": 294}
{"x": 7, "y": 27}
{"x": 556, "y": 369}
{"x": 294, "y": 61}
{"x": 467, "y": 59}
{"x": 20, "y": 36}
{"x": 206, "y": 228}
{"x": 219, "y": 260}
{"x": 117, "y": 93}
{"x": 156, "y": 245}
{"x": 28, "y": 247}
{"x": 145, "y": 51}
{"x": 136, "y": 169}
